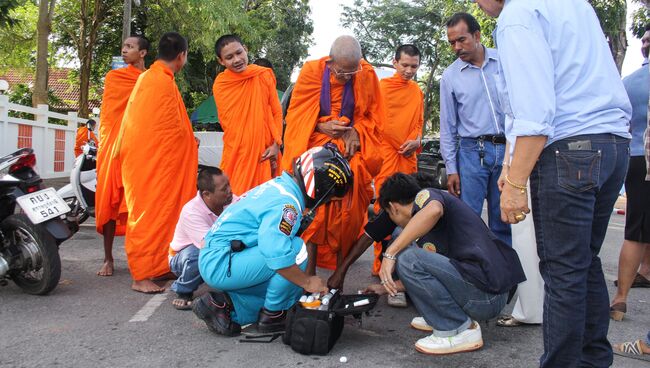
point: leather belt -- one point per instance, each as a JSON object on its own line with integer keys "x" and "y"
{"x": 495, "y": 139}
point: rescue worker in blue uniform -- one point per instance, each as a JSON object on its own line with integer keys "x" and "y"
{"x": 253, "y": 254}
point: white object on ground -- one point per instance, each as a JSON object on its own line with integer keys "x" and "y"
{"x": 343, "y": 359}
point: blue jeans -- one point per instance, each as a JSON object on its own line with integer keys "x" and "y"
{"x": 478, "y": 182}
{"x": 572, "y": 194}
{"x": 185, "y": 265}
{"x": 446, "y": 301}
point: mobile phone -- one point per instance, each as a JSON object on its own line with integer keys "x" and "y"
{"x": 580, "y": 146}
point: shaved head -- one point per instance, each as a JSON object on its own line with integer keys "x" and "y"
{"x": 346, "y": 48}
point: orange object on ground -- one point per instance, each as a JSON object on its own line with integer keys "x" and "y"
{"x": 159, "y": 161}
{"x": 337, "y": 224}
{"x": 251, "y": 117}
{"x": 109, "y": 195}
{"x": 404, "y": 105}
{"x": 84, "y": 135}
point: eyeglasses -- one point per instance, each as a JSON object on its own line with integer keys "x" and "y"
{"x": 343, "y": 74}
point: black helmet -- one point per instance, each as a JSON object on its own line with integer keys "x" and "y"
{"x": 322, "y": 173}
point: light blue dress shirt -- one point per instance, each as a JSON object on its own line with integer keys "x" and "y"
{"x": 637, "y": 86}
{"x": 469, "y": 105}
{"x": 559, "y": 75}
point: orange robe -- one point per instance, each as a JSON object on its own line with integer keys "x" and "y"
{"x": 251, "y": 117}
{"x": 404, "y": 105}
{"x": 109, "y": 195}
{"x": 159, "y": 160}
{"x": 337, "y": 224}
{"x": 82, "y": 138}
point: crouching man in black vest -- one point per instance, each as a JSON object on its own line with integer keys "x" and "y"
{"x": 459, "y": 272}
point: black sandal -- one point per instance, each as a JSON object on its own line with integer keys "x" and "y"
{"x": 187, "y": 301}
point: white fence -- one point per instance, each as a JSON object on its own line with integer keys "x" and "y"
{"x": 54, "y": 144}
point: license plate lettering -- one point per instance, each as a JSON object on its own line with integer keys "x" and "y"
{"x": 43, "y": 205}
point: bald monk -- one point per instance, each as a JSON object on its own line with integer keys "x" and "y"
{"x": 337, "y": 99}
{"x": 250, "y": 115}
{"x": 159, "y": 160}
{"x": 404, "y": 105}
{"x": 110, "y": 207}
{"x": 85, "y": 135}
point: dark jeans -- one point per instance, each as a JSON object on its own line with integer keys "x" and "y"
{"x": 573, "y": 193}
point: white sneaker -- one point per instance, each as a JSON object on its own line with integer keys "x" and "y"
{"x": 468, "y": 340}
{"x": 398, "y": 301}
{"x": 419, "y": 323}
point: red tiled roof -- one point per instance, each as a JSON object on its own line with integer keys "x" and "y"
{"x": 67, "y": 92}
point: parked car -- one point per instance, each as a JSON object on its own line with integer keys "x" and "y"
{"x": 430, "y": 161}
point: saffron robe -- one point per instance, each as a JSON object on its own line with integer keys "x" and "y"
{"x": 337, "y": 224}
{"x": 84, "y": 135}
{"x": 159, "y": 160}
{"x": 109, "y": 195}
{"x": 404, "y": 106}
{"x": 251, "y": 117}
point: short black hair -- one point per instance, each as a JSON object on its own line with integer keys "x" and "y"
{"x": 205, "y": 182}
{"x": 225, "y": 40}
{"x": 91, "y": 122}
{"x": 400, "y": 188}
{"x": 171, "y": 45}
{"x": 424, "y": 180}
{"x": 472, "y": 23}
{"x": 647, "y": 27}
{"x": 264, "y": 62}
{"x": 143, "y": 42}
{"x": 408, "y": 49}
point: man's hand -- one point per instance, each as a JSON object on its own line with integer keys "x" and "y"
{"x": 336, "y": 280}
{"x": 386, "y": 275}
{"x": 409, "y": 147}
{"x": 316, "y": 285}
{"x": 514, "y": 204}
{"x": 501, "y": 182}
{"x": 271, "y": 153}
{"x": 352, "y": 143}
{"x": 333, "y": 128}
{"x": 453, "y": 184}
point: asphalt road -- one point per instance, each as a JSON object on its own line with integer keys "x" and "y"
{"x": 92, "y": 321}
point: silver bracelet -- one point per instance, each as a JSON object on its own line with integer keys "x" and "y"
{"x": 388, "y": 256}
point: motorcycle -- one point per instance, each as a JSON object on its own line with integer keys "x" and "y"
{"x": 79, "y": 194}
{"x": 29, "y": 239}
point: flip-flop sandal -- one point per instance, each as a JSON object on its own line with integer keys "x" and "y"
{"x": 631, "y": 349}
{"x": 187, "y": 301}
{"x": 639, "y": 282}
{"x": 508, "y": 321}
{"x": 617, "y": 311}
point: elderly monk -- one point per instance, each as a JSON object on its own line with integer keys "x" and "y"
{"x": 159, "y": 160}
{"x": 337, "y": 99}
{"x": 85, "y": 135}
{"x": 110, "y": 207}
{"x": 404, "y": 105}
{"x": 250, "y": 115}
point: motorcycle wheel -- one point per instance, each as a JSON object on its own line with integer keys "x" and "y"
{"x": 81, "y": 214}
{"x": 41, "y": 269}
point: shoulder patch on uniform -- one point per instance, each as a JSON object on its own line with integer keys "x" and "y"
{"x": 422, "y": 197}
{"x": 288, "y": 220}
{"x": 430, "y": 247}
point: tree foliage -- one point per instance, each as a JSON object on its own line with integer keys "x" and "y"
{"x": 7, "y": 19}
{"x": 18, "y": 41}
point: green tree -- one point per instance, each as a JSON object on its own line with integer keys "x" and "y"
{"x": 640, "y": 19}
{"x": 6, "y": 17}
{"x": 18, "y": 41}
{"x": 611, "y": 14}
{"x": 383, "y": 25}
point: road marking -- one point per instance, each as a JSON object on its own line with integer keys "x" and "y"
{"x": 148, "y": 309}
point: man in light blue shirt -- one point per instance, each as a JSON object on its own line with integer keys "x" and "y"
{"x": 567, "y": 116}
{"x": 472, "y": 139}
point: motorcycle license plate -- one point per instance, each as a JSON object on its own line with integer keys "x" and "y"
{"x": 43, "y": 205}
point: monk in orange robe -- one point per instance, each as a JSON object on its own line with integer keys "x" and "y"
{"x": 110, "y": 207}
{"x": 85, "y": 135}
{"x": 250, "y": 115}
{"x": 404, "y": 105}
{"x": 159, "y": 158}
{"x": 337, "y": 99}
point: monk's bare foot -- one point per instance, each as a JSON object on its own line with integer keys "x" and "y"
{"x": 147, "y": 287}
{"x": 107, "y": 269}
{"x": 165, "y": 277}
